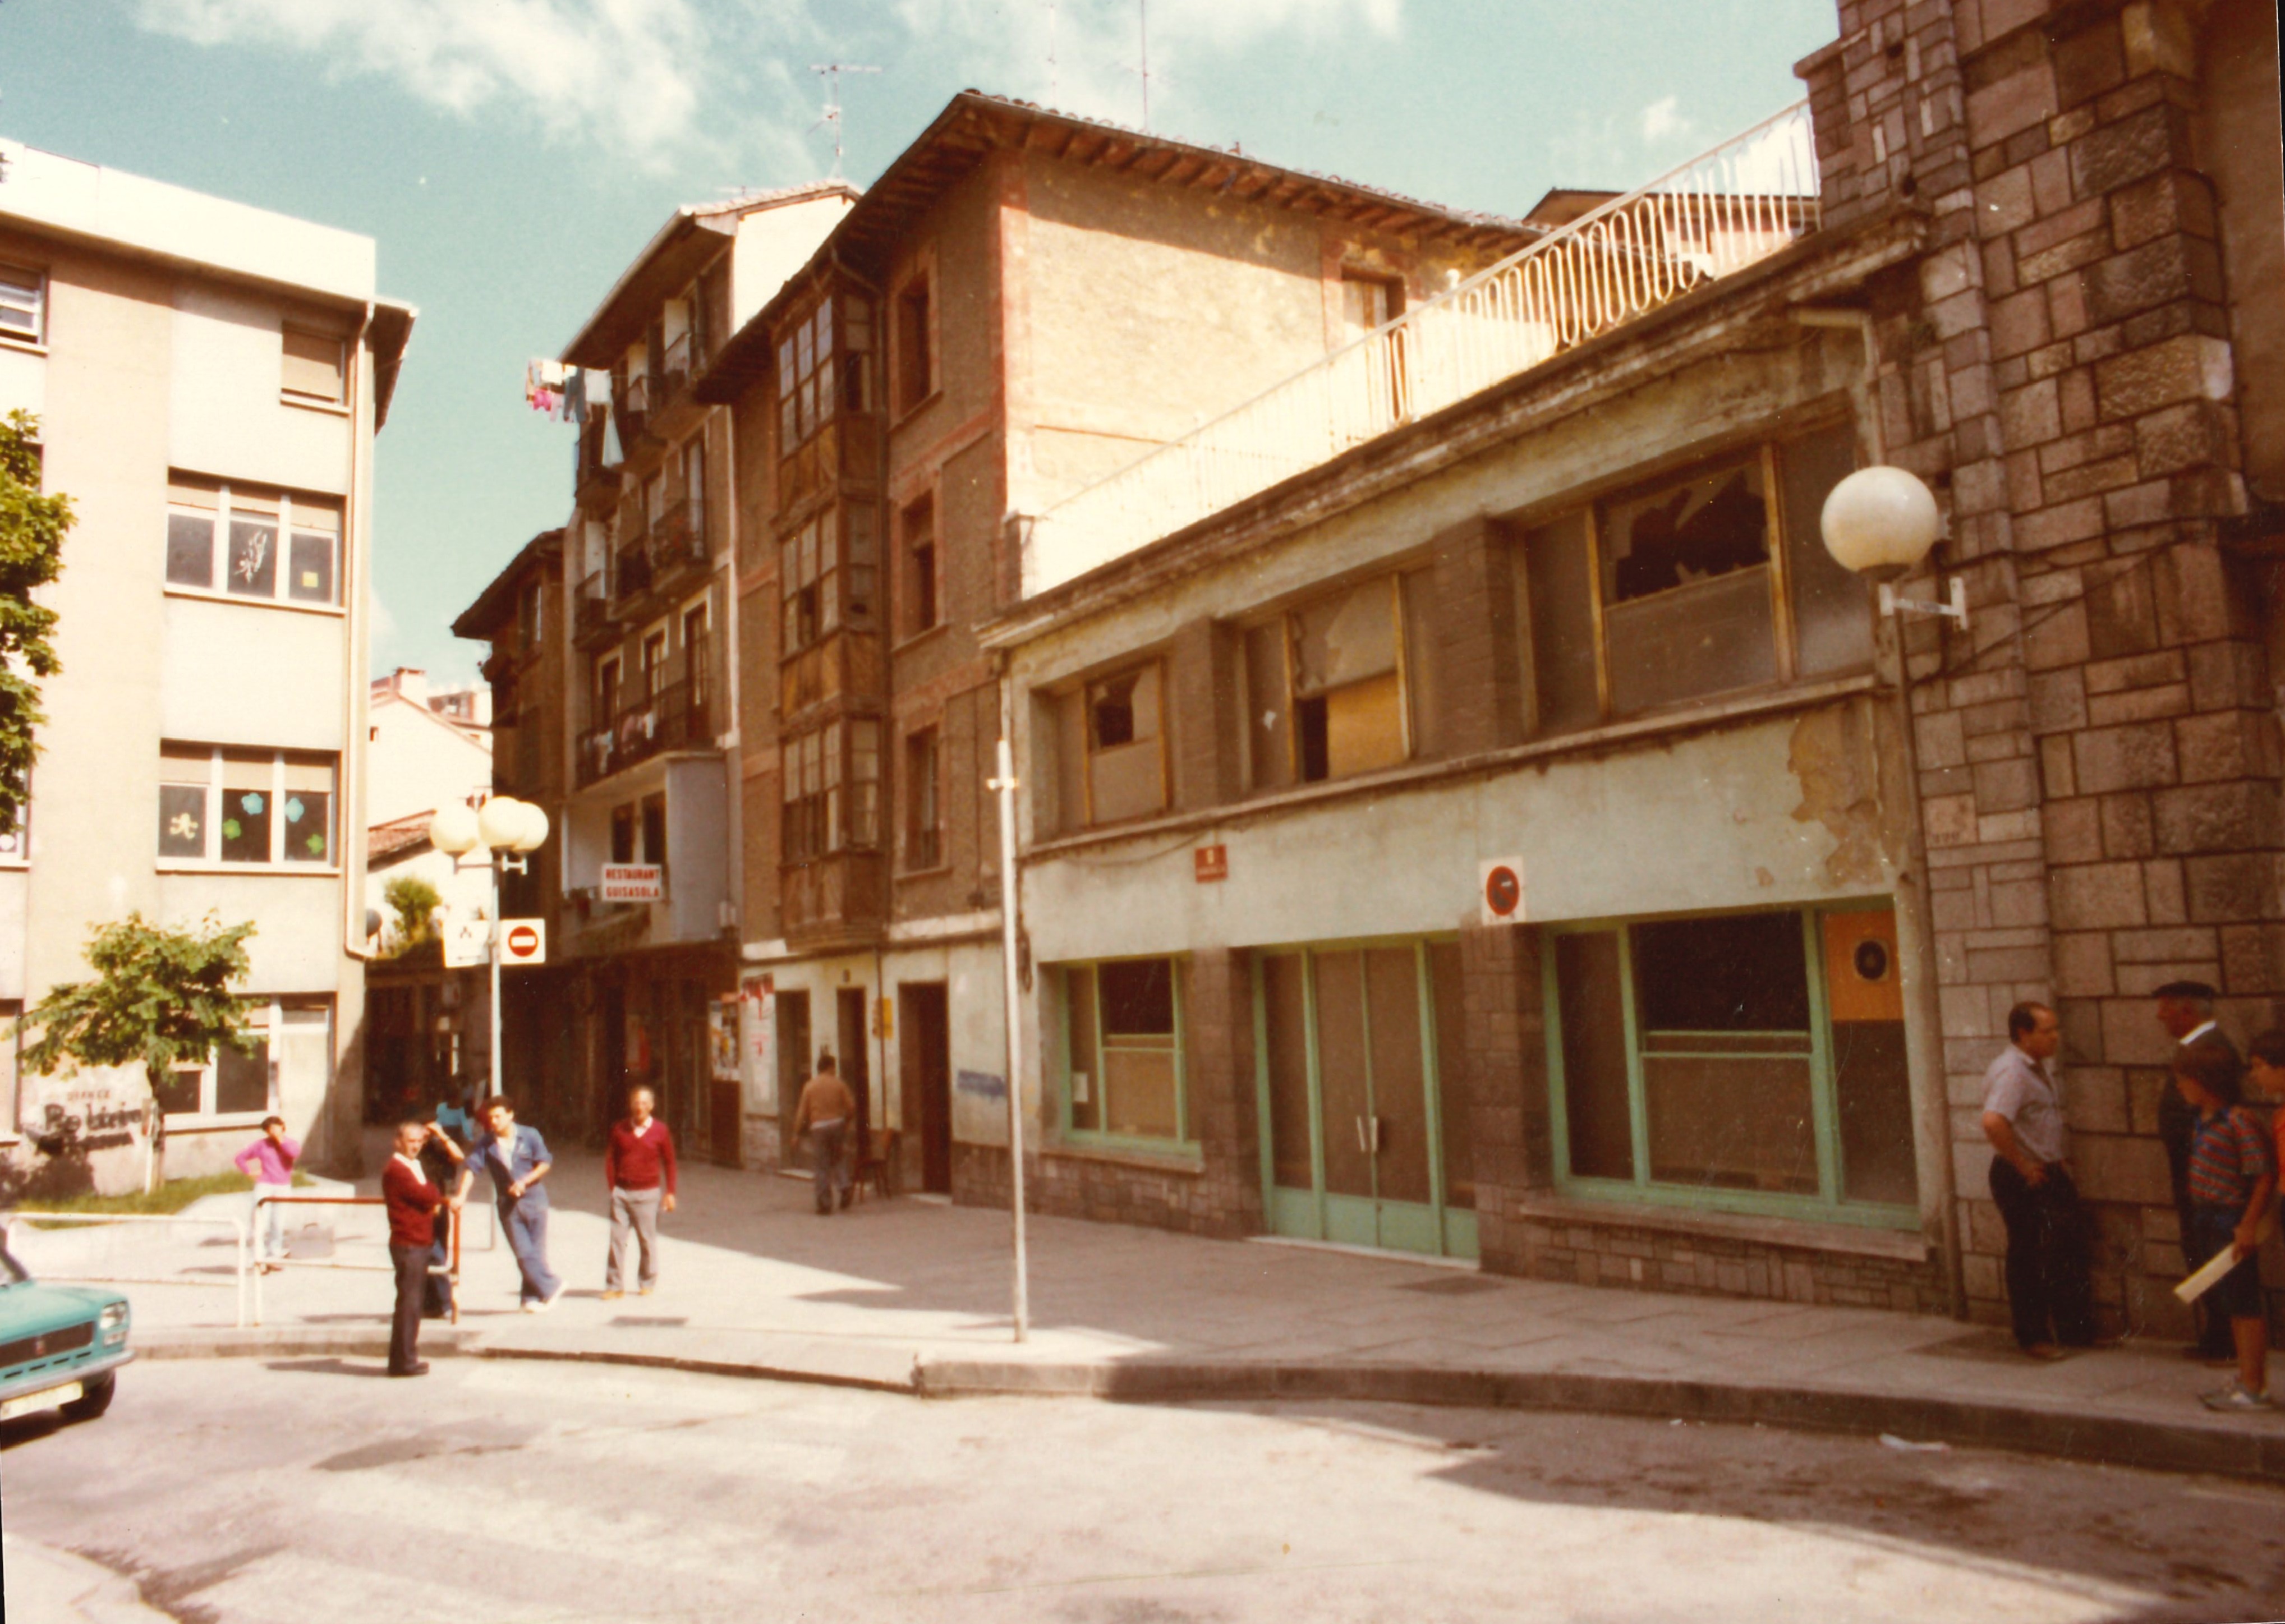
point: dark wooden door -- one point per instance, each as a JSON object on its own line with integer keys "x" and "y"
{"x": 926, "y": 1063}
{"x": 854, "y": 1054}
{"x": 793, "y": 1069}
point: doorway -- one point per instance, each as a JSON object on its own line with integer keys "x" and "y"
{"x": 855, "y": 1059}
{"x": 615, "y": 1059}
{"x": 925, "y": 1062}
{"x": 1348, "y": 1079}
{"x": 793, "y": 1069}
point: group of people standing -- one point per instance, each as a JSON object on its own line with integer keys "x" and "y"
{"x": 426, "y": 1184}
{"x": 2223, "y": 1158}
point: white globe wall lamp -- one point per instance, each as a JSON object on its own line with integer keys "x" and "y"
{"x": 1881, "y": 522}
{"x": 507, "y": 828}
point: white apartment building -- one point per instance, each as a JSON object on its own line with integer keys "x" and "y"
{"x": 208, "y": 378}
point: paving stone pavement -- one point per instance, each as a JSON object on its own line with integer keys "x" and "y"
{"x": 914, "y": 1294}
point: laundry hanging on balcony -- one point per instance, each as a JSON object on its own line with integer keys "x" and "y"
{"x": 543, "y": 388}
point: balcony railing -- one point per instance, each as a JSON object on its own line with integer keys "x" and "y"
{"x": 678, "y": 538}
{"x": 675, "y": 373}
{"x": 630, "y": 572}
{"x": 678, "y": 717}
{"x": 1713, "y": 216}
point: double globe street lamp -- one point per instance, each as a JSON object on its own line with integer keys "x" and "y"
{"x": 508, "y": 828}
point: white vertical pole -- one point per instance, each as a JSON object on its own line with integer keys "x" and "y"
{"x": 1006, "y": 785}
{"x": 494, "y": 933}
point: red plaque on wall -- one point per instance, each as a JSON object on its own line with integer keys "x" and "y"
{"x": 1210, "y": 863}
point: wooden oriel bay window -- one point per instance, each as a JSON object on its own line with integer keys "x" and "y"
{"x": 824, "y": 376}
{"x": 1709, "y": 581}
{"x": 830, "y": 788}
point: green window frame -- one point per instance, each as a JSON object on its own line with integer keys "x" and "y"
{"x": 1088, "y": 1047}
{"x": 1828, "y": 1202}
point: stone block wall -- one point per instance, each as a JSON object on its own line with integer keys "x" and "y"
{"x": 2099, "y": 757}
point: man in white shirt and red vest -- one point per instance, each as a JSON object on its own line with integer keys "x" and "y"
{"x": 639, "y": 1168}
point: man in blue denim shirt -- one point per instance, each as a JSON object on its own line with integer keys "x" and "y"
{"x": 517, "y": 1159}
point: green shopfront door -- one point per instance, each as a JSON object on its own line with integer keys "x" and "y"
{"x": 1362, "y": 1139}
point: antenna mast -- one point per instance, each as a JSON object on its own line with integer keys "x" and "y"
{"x": 832, "y": 72}
{"x": 1142, "y": 11}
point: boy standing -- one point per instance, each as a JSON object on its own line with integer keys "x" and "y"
{"x": 638, "y": 1170}
{"x": 2231, "y": 1179}
{"x": 268, "y": 1161}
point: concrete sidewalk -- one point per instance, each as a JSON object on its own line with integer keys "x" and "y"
{"x": 911, "y": 1295}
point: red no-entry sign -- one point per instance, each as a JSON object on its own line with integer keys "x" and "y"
{"x": 523, "y": 941}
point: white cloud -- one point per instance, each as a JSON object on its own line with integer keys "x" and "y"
{"x": 1663, "y": 118}
{"x": 630, "y": 65}
{"x": 1097, "y": 46}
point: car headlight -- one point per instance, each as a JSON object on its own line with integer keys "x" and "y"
{"x": 113, "y": 1322}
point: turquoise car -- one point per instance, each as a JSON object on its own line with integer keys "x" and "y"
{"x": 60, "y": 1346}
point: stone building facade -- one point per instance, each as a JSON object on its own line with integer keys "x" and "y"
{"x": 2087, "y": 362}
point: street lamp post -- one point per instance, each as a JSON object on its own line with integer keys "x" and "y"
{"x": 507, "y": 828}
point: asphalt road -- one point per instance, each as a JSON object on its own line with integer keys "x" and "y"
{"x": 312, "y": 1489}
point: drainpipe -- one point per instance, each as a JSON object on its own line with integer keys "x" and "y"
{"x": 357, "y": 539}
{"x": 1915, "y": 911}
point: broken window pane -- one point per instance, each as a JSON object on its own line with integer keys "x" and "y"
{"x": 1738, "y": 973}
{"x": 1125, "y": 764}
{"x": 1832, "y": 607}
{"x": 1686, "y": 590}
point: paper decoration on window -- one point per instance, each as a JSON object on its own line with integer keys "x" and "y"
{"x": 293, "y": 809}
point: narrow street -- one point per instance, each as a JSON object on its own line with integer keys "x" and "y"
{"x": 234, "y": 1492}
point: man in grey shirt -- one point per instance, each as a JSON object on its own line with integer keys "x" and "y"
{"x": 2048, "y": 1292}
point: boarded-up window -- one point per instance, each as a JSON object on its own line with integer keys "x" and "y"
{"x": 1556, "y": 581}
{"x": 313, "y": 368}
{"x": 1348, "y": 687}
{"x": 1125, "y": 753}
{"x": 1686, "y": 588}
{"x": 1123, "y": 1072}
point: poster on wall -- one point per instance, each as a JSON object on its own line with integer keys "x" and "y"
{"x": 722, "y": 1038}
{"x": 757, "y": 1006}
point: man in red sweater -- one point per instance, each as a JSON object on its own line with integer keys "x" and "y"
{"x": 413, "y": 1204}
{"x": 638, "y": 1167}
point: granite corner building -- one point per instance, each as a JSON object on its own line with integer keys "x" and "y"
{"x": 1415, "y": 545}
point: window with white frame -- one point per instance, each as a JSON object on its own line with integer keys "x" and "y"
{"x": 253, "y": 542}
{"x": 315, "y": 368}
{"x": 23, "y": 304}
{"x": 16, "y": 843}
{"x": 289, "y": 1054}
{"x": 219, "y": 804}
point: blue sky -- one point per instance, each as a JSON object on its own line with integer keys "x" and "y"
{"x": 511, "y": 155}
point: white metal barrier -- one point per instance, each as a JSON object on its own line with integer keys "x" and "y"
{"x": 450, "y": 1270}
{"x": 1716, "y": 214}
{"x": 241, "y": 1230}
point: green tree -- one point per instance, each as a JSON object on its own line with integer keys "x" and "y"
{"x": 415, "y": 902}
{"x": 161, "y": 999}
{"x": 32, "y": 528}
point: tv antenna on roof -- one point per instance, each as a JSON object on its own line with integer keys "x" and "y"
{"x": 1142, "y": 18}
{"x": 832, "y": 71}
{"x": 1054, "y": 77}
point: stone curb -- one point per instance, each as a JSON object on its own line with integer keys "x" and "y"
{"x": 2257, "y": 1452}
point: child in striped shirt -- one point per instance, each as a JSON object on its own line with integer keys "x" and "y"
{"x": 2231, "y": 1177}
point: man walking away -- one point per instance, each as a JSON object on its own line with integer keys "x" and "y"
{"x": 824, "y": 1110}
{"x": 268, "y": 1161}
{"x": 2048, "y": 1293}
{"x": 2186, "y": 1011}
{"x": 413, "y": 1201}
{"x": 639, "y": 1169}
{"x": 516, "y": 1158}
